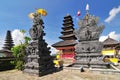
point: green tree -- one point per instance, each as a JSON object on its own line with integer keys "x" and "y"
{"x": 23, "y": 31}
{"x": 19, "y": 52}
{"x": 27, "y": 39}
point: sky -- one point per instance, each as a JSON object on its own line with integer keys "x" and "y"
{"x": 14, "y": 17}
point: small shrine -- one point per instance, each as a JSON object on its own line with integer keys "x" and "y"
{"x": 110, "y": 43}
{"x": 39, "y": 62}
{"x": 6, "y": 51}
{"x": 88, "y": 49}
{"x": 66, "y": 46}
{"x": 110, "y": 48}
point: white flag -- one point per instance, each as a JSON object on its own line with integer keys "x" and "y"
{"x": 87, "y": 7}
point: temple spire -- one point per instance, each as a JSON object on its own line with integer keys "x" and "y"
{"x": 87, "y": 13}
{"x": 87, "y": 8}
{"x": 8, "y": 41}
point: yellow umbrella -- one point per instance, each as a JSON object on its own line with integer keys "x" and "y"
{"x": 42, "y": 12}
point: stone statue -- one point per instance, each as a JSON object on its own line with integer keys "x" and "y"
{"x": 37, "y": 28}
{"x": 88, "y": 29}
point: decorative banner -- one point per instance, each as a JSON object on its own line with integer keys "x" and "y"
{"x": 108, "y": 52}
{"x": 87, "y": 7}
{"x": 78, "y": 13}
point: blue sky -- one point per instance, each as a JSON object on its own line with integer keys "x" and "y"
{"x": 14, "y": 15}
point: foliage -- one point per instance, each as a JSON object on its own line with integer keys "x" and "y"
{"x": 22, "y": 31}
{"x": 19, "y": 52}
{"x": 27, "y": 39}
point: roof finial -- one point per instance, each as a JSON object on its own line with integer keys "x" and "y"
{"x": 87, "y": 8}
{"x": 68, "y": 14}
{"x": 87, "y": 14}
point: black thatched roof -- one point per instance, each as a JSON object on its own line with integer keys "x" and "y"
{"x": 67, "y": 34}
{"x": 68, "y": 16}
{"x": 64, "y": 43}
{"x": 70, "y": 30}
{"x": 64, "y": 36}
{"x": 110, "y": 41}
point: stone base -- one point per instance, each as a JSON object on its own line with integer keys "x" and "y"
{"x": 38, "y": 73}
{"x": 95, "y": 64}
{"x": 39, "y": 62}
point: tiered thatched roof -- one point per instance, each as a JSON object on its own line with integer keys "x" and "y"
{"x": 110, "y": 41}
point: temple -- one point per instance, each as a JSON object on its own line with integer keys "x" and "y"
{"x": 110, "y": 47}
{"x": 6, "y": 55}
{"x": 68, "y": 39}
{"x": 110, "y": 43}
{"x": 6, "y": 51}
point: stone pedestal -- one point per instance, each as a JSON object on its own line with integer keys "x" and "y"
{"x": 38, "y": 62}
{"x": 88, "y": 54}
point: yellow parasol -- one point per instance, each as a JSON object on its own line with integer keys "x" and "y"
{"x": 41, "y": 12}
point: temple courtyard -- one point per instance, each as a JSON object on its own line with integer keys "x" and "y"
{"x": 65, "y": 74}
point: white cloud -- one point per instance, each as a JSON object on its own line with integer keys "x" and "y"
{"x": 102, "y": 38}
{"x": 1, "y": 42}
{"x": 17, "y": 36}
{"x": 112, "y": 35}
{"x": 112, "y": 14}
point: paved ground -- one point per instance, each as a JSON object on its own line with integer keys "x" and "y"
{"x": 62, "y": 75}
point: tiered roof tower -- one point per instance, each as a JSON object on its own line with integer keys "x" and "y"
{"x": 68, "y": 38}
{"x": 67, "y": 33}
{"x": 8, "y": 41}
{"x": 6, "y": 51}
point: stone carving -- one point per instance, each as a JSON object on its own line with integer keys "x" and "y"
{"x": 88, "y": 29}
{"x": 88, "y": 49}
{"x": 36, "y": 30}
{"x": 39, "y": 62}
{"x": 88, "y": 46}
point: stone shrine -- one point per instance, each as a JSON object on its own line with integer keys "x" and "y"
{"x": 88, "y": 49}
{"x": 39, "y": 62}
